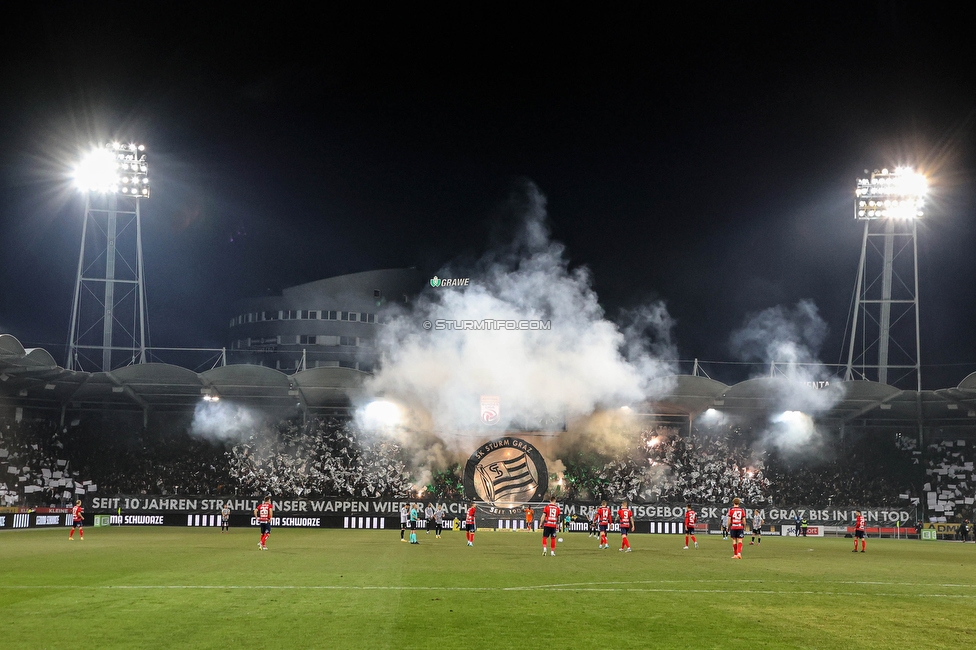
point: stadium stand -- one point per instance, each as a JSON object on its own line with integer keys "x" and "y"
{"x": 950, "y": 478}
{"x": 34, "y": 467}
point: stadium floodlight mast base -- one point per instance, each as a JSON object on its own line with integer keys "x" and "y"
{"x": 114, "y": 178}
{"x": 885, "y": 347}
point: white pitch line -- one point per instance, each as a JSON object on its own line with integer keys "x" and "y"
{"x": 567, "y": 587}
{"x": 738, "y": 581}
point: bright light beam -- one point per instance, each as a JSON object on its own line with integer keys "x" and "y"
{"x": 381, "y": 414}
{"x": 97, "y": 171}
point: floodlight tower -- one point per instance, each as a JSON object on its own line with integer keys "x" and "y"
{"x": 109, "y": 288}
{"x": 884, "y": 345}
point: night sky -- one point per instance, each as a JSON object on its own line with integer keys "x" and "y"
{"x": 706, "y": 158}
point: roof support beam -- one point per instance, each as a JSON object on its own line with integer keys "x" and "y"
{"x": 131, "y": 394}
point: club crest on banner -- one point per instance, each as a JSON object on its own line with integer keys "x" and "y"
{"x": 506, "y": 473}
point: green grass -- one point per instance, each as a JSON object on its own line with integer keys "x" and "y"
{"x": 178, "y": 588}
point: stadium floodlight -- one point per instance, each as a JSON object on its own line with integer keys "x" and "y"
{"x": 898, "y": 194}
{"x": 112, "y": 168}
{"x": 112, "y": 177}
{"x": 891, "y": 203}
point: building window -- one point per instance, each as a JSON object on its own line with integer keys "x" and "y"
{"x": 330, "y": 315}
{"x": 350, "y": 316}
{"x": 376, "y": 293}
{"x": 347, "y": 340}
{"x": 306, "y": 340}
{"x": 347, "y": 364}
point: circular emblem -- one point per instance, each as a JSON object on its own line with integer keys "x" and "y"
{"x": 506, "y": 473}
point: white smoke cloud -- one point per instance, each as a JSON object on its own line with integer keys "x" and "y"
{"x": 545, "y": 379}
{"x": 789, "y": 339}
{"x": 582, "y": 363}
{"x": 223, "y": 421}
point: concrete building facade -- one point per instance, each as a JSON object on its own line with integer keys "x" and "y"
{"x": 326, "y": 323}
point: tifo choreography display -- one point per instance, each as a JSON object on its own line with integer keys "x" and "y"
{"x": 43, "y": 463}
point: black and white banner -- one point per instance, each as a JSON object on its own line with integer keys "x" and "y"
{"x": 197, "y": 511}
{"x": 34, "y": 520}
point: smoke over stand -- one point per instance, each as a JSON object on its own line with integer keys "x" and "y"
{"x": 579, "y": 363}
{"x": 790, "y": 338}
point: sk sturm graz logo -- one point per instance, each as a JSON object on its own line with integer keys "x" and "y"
{"x": 506, "y": 472}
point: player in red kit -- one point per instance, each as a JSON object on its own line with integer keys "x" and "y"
{"x": 691, "y": 518}
{"x": 625, "y": 517}
{"x": 550, "y": 525}
{"x": 263, "y": 513}
{"x": 737, "y": 527}
{"x": 77, "y": 521}
{"x": 469, "y": 524}
{"x": 859, "y": 531}
{"x": 603, "y": 518}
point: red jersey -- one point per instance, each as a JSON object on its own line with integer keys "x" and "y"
{"x": 550, "y": 516}
{"x": 859, "y": 522}
{"x": 690, "y": 518}
{"x": 78, "y": 513}
{"x": 471, "y": 513}
{"x": 625, "y": 516}
{"x": 737, "y": 518}
{"x": 603, "y": 515}
{"x": 264, "y": 512}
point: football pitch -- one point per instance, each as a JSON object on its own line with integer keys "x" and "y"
{"x": 186, "y": 588}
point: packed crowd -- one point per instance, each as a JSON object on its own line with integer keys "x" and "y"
{"x": 663, "y": 466}
{"x": 34, "y": 467}
{"x": 950, "y": 487}
{"x": 42, "y": 462}
{"x": 874, "y": 469}
{"x": 322, "y": 457}
{"x": 713, "y": 466}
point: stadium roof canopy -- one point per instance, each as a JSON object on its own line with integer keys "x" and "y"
{"x": 32, "y": 378}
{"x": 836, "y": 401}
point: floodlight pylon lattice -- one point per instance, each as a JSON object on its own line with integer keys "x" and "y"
{"x": 884, "y": 334}
{"x": 109, "y": 318}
